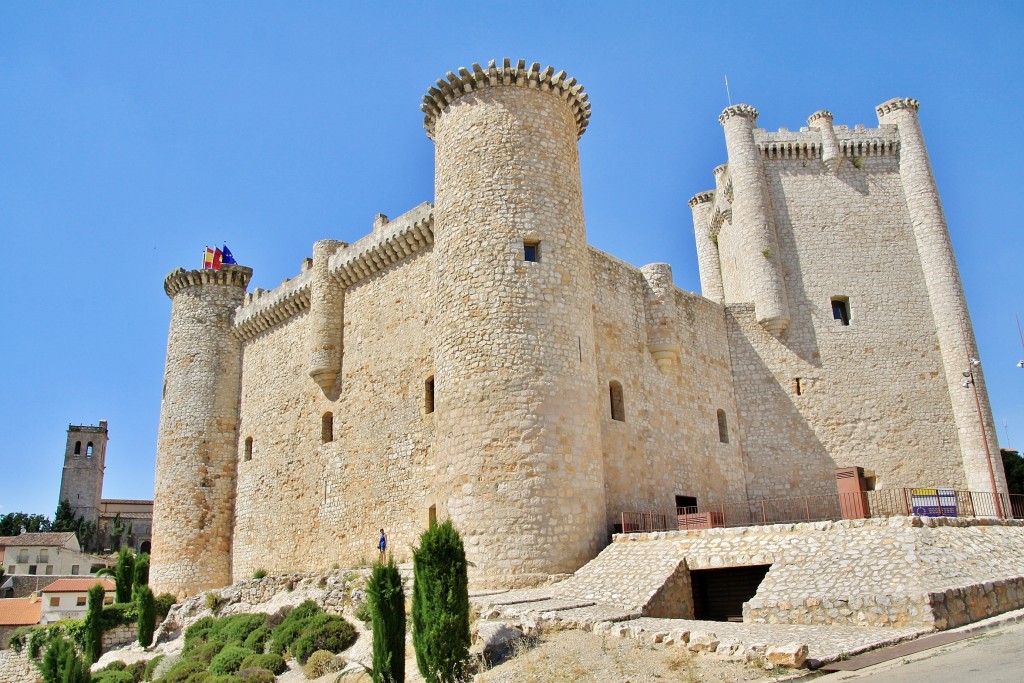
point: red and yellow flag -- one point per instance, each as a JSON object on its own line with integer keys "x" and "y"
{"x": 208, "y": 259}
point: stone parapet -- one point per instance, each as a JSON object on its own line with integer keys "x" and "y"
{"x": 228, "y": 275}
{"x": 264, "y": 309}
{"x": 546, "y": 80}
{"x": 392, "y": 242}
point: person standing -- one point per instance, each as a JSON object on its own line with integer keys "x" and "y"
{"x": 382, "y": 545}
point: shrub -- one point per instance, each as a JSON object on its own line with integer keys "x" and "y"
{"x": 205, "y": 652}
{"x": 324, "y": 632}
{"x": 119, "y": 614}
{"x": 440, "y": 605}
{"x": 19, "y": 637}
{"x": 52, "y": 666}
{"x": 292, "y": 626}
{"x": 76, "y": 669}
{"x": 140, "y": 576}
{"x": 229, "y": 660}
{"x": 113, "y": 676}
{"x": 165, "y": 664}
{"x": 94, "y": 625}
{"x": 124, "y": 573}
{"x": 363, "y": 612}
{"x": 182, "y": 671}
{"x": 138, "y": 670}
{"x": 237, "y": 627}
{"x": 255, "y": 675}
{"x": 259, "y": 573}
{"x": 270, "y": 662}
{"x": 257, "y": 640}
{"x": 213, "y": 601}
{"x": 386, "y": 600}
{"x": 319, "y": 663}
{"x": 147, "y": 615}
{"x": 164, "y": 602}
{"x": 151, "y": 666}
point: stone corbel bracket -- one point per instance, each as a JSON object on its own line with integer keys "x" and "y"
{"x": 466, "y": 81}
{"x": 263, "y": 310}
{"x": 408, "y": 234}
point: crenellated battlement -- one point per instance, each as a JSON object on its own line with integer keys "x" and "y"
{"x": 406, "y": 235}
{"x": 466, "y": 81}
{"x": 807, "y": 143}
{"x": 702, "y": 198}
{"x": 738, "y": 110}
{"x": 897, "y": 103}
{"x": 264, "y": 309}
{"x": 228, "y": 275}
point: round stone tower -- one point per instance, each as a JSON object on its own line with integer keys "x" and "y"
{"x": 517, "y": 423}
{"x": 197, "y": 444}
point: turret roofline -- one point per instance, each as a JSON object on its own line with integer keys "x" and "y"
{"x": 559, "y": 84}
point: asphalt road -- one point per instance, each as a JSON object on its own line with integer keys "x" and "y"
{"x": 995, "y": 656}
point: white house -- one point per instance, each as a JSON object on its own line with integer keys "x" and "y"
{"x": 68, "y": 598}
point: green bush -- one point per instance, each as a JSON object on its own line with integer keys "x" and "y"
{"x": 124, "y": 573}
{"x": 440, "y": 605}
{"x": 229, "y": 660}
{"x": 138, "y": 670}
{"x": 140, "y": 576}
{"x": 119, "y": 614}
{"x": 197, "y": 633}
{"x": 257, "y": 640}
{"x": 324, "y": 632}
{"x": 183, "y": 671}
{"x": 94, "y": 624}
{"x": 259, "y": 574}
{"x": 205, "y": 652}
{"x": 116, "y": 665}
{"x": 213, "y": 601}
{"x": 270, "y": 662}
{"x": 19, "y": 637}
{"x": 147, "y": 615}
{"x": 319, "y": 663}
{"x": 54, "y": 661}
{"x": 113, "y": 676}
{"x": 363, "y": 612}
{"x": 386, "y": 600}
{"x": 254, "y": 675}
{"x": 292, "y": 626}
{"x": 151, "y": 667}
{"x": 164, "y": 602}
{"x": 237, "y": 627}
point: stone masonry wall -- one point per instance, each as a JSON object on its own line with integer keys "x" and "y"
{"x": 871, "y": 394}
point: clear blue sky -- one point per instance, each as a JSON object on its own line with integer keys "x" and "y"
{"x": 134, "y": 134}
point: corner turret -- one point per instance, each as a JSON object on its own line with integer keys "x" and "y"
{"x": 198, "y": 440}
{"x": 831, "y": 155}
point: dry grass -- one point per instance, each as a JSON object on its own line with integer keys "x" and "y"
{"x": 580, "y": 657}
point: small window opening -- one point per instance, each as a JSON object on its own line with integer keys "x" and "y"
{"x": 841, "y": 310}
{"x": 74, "y": 570}
{"x": 78, "y": 448}
{"x": 431, "y": 516}
{"x": 428, "y": 395}
{"x": 531, "y": 251}
{"x": 327, "y": 427}
{"x": 796, "y": 386}
{"x": 686, "y": 505}
{"x": 88, "y": 450}
{"x": 80, "y": 601}
{"x": 248, "y": 448}
{"x": 55, "y": 601}
{"x": 615, "y": 394}
{"x": 723, "y": 427}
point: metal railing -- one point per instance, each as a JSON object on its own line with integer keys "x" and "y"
{"x": 923, "y": 502}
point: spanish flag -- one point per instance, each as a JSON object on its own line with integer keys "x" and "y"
{"x": 208, "y": 259}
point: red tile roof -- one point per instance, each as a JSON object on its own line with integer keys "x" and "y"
{"x": 78, "y": 585}
{"x": 19, "y": 611}
{"x": 53, "y": 538}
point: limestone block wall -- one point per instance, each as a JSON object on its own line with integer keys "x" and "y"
{"x": 305, "y": 504}
{"x": 16, "y": 667}
{"x": 668, "y": 443}
{"x": 824, "y": 395}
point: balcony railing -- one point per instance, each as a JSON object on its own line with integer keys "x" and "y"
{"x": 922, "y": 502}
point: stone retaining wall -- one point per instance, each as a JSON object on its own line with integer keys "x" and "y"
{"x": 15, "y": 667}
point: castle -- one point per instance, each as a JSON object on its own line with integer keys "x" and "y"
{"x": 477, "y": 360}
{"x": 81, "y": 484}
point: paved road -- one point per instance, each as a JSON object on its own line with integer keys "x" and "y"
{"x": 991, "y": 657}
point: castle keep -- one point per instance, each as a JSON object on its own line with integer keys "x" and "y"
{"x": 477, "y": 359}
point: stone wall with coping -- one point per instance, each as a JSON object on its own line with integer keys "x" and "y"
{"x": 16, "y": 667}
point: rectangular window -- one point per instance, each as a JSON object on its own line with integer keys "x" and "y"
{"x": 686, "y": 504}
{"x": 10, "y": 569}
{"x": 841, "y": 310}
{"x": 109, "y": 600}
{"x": 49, "y": 569}
{"x": 428, "y": 395}
{"x": 22, "y": 557}
{"x": 44, "y": 556}
{"x": 531, "y": 251}
{"x": 80, "y": 601}
{"x": 55, "y": 602}
{"x": 32, "y": 569}
{"x": 74, "y": 570}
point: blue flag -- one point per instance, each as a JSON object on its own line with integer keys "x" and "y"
{"x": 226, "y": 256}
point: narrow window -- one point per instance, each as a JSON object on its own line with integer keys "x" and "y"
{"x": 796, "y": 386}
{"x": 80, "y": 601}
{"x": 32, "y": 569}
{"x": 531, "y": 250}
{"x": 723, "y": 427}
{"x": 78, "y": 448}
{"x": 248, "y": 448}
{"x": 428, "y": 395}
{"x": 74, "y": 570}
{"x": 54, "y": 602}
{"x": 22, "y": 556}
{"x": 615, "y": 394}
{"x": 11, "y": 568}
{"x": 841, "y": 309}
{"x": 431, "y": 515}
{"x": 88, "y": 450}
{"x": 327, "y": 428}
{"x": 49, "y": 569}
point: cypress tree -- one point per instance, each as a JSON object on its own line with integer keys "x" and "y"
{"x": 387, "y": 609}
{"x": 124, "y": 573}
{"x": 93, "y": 626}
{"x": 147, "y": 614}
{"x": 55, "y": 660}
{"x": 140, "y": 577}
{"x": 440, "y": 605}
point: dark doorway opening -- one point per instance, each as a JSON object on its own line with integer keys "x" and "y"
{"x": 719, "y": 594}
